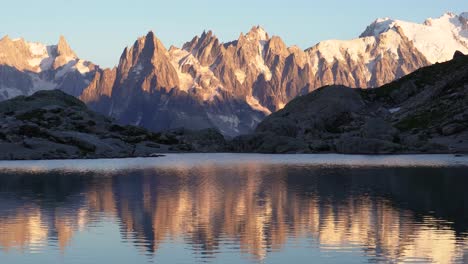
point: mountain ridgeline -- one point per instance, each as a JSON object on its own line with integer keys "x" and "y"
{"x": 423, "y": 112}
{"x": 230, "y": 86}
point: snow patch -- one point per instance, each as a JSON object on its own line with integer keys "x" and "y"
{"x": 71, "y": 66}
{"x": 40, "y": 53}
{"x": 394, "y": 110}
{"x": 81, "y": 67}
{"x": 262, "y": 67}
{"x": 35, "y": 62}
{"x": 37, "y": 49}
{"x": 356, "y": 49}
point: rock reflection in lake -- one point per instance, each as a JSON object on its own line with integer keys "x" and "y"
{"x": 252, "y": 211}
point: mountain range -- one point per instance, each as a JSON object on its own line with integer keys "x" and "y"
{"x": 424, "y": 112}
{"x": 231, "y": 86}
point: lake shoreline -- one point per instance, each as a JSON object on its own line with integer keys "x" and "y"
{"x": 233, "y": 159}
{"x": 158, "y": 155}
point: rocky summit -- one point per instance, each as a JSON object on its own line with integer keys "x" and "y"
{"x": 54, "y": 125}
{"x": 423, "y": 112}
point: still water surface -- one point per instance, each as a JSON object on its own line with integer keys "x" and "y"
{"x": 236, "y": 208}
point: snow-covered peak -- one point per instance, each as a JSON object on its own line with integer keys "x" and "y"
{"x": 382, "y": 19}
{"x": 379, "y": 26}
{"x": 436, "y": 38}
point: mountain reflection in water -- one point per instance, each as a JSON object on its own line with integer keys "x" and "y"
{"x": 383, "y": 214}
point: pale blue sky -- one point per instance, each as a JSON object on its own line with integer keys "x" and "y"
{"x": 98, "y": 30}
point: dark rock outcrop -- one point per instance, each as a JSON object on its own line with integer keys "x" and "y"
{"x": 54, "y": 125}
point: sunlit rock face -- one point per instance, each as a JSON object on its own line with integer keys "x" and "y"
{"x": 27, "y": 67}
{"x": 164, "y": 89}
{"x": 232, "y": 85}
{"x": 258, "y": 210}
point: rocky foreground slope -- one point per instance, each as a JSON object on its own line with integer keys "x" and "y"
{"x": 54, "y": 125}
{"x": 424, "y": 112}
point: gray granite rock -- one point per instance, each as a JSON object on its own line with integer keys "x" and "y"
{"x": 53, "y": 125}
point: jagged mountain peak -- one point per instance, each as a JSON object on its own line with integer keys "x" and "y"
{"x": 205, "y": 47}
{"x": 277, "y": 46}
{"x": 146, "y": 49}
{"x": 154, "y": 44}
{"x": 64, "y": 49}
{"x": 258, "y": 33}
{"x": 144, "y": 67}
{"x": 198, "y": 42}
{"x": 207, "y": 34}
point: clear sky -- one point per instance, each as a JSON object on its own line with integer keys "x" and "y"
{"x": 98, "y": 30}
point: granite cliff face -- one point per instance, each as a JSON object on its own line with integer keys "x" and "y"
{"x": 149, "y": 89}
{"x": 27, "y": 67}
{"x": 423, "y": 112}
{"x": 263, "y": 69}
{"x": 229, "y": 86}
